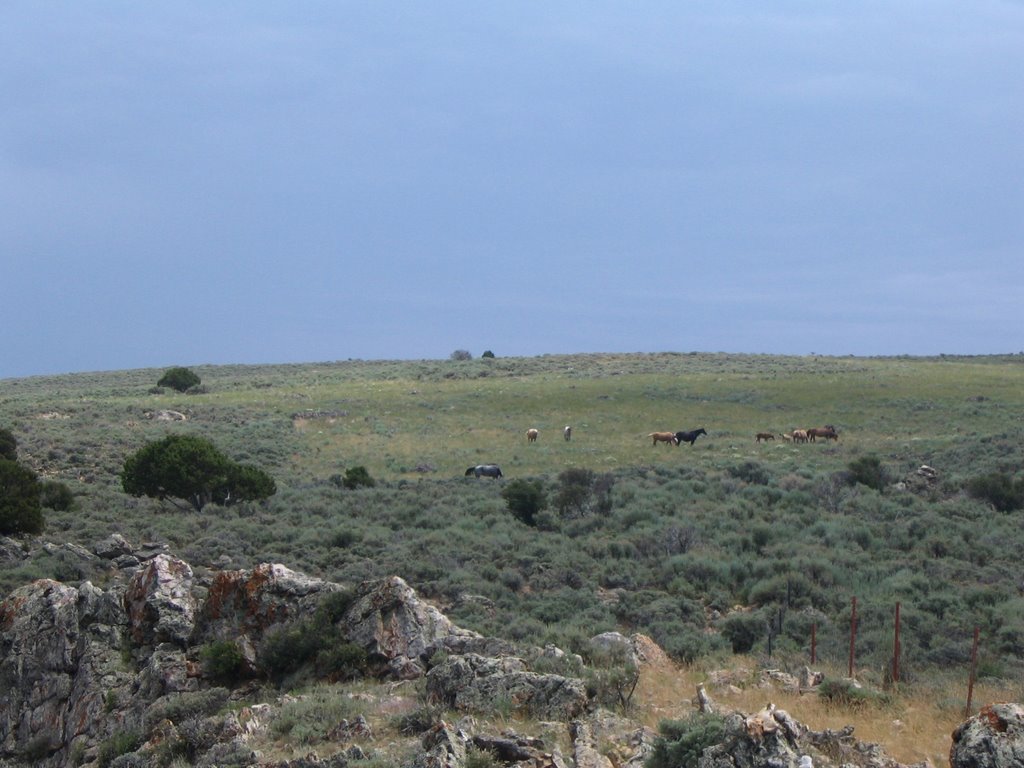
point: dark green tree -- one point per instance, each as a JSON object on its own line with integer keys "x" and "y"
{"x": 998, "y": 489}
{"x": 358, "y": 477}
{"x": 20, "y": 510}
{"x": 575, "y": 488}
{"x": 525, "y": 498}
{"x": 8, "y": 445}
{"x": 191, "y": 468}
{"x": 868, "y": 470}
{"x": 179, "y": 378}
{"x": 245, "y": 483}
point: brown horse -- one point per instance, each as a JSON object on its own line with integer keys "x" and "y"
{"x": 828, "y": 432}
{"x": 531, "y": 435}
{"x": 663, "y": 437}
{"x": 766, "y": 436}
{"x": 799, "y": 435}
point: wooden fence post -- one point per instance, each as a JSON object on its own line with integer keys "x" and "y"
{"x": 974, "y": 669}
{"x": 896, "y": 648}
{"x": 853, "y": 632}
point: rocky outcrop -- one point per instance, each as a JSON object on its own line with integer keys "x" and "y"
{"x": 478, "y": 683}
{"x": 391, "y": 623}
{"x": 242, "y": 605}
{"x": 994, "y": 738}
{"x": 79, "y": 665}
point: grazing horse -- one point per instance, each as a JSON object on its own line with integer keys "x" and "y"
{"x": 567, "y": 433}
{"x": 689, "y": 437}
{"x": 531, "y": 435}
{"x": 487, "y": 470}
{"x": 663, "y": 437}
{"x": 799, "y": 435}
{"x": 828, "y": 432}
{"x": 766, "y": 436}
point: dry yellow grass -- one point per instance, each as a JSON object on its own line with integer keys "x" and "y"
{"x": 917, "y": 726}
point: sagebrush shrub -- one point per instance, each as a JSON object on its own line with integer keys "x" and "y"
{"x": 681, "y": 742}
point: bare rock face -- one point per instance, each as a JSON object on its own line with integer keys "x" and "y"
{"x": 994, "y": 738}
{"x": 160, "y": 603}
{"x": 392, "y": 623}
{"x": 59, "y": 660}
{"x": 477, "y": 683}
{"x": 242, "y": 605}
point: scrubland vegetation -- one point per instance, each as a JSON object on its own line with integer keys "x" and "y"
{"x": 710, "y": 549}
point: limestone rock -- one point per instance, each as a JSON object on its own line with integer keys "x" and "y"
{"x": 445, "y": 747}
{"x": 112, "y": 547}
{"x": 160, "y": 604}
{"x": 392, "y": 623}
{"x": 242, "y": 605}
{"x": 994, "y": 738}
{"x": 477, "y": 683}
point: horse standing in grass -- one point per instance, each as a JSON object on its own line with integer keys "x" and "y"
{"x": 828, "y": 432}
{"x": 531, "y": 435}
{"x": 766, "y": 436}
{"x": 567, "y": 433}
{"x": 663, "y": 437}
{"x": 487, "y": 470}
{"x": 689, "y": 437}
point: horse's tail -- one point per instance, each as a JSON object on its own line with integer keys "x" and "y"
{"x": 470, "y": 471}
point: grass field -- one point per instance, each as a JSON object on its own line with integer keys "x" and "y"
{"x": 680, "y": 537}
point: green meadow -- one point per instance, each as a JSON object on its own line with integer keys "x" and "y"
{"x": 710, "y": 549}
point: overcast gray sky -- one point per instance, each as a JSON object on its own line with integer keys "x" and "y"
{"x": 252, "y": 182}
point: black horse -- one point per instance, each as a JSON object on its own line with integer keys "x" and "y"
{"x": 689, "y": 437}
{"x": 487, "y": 470}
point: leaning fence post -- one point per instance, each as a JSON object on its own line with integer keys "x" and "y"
{"x": 974, "y": 669}
{"x": 853, "y": 632}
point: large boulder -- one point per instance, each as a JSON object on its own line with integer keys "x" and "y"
{"x": 160, "y": 602}
{"x": 478, "y": 683}
{"x": 994, "y": 738}
{"x": 393, "y": 624}
{"x": 243, "y": 605}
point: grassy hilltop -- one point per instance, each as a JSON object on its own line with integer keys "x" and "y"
{"x": 664, "y": 540}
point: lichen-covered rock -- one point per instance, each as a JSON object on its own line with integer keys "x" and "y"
{"x": 477, "y": 683}
{"x": 160, "y": 604}
{"x": 994, "y": 738}
{"x": 392, "y": 623}
{"x": 38, "y": 659}
{"x": 241, "y": 605}
{"x": 112, "y": 547}
{"x": 444, "y": 747}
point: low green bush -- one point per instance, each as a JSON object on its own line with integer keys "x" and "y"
{"x": 848, "y": 694}
{"x": 681, "y": 742}
{"x": 121, "y": 743}
{"x": 223, "y": 661}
